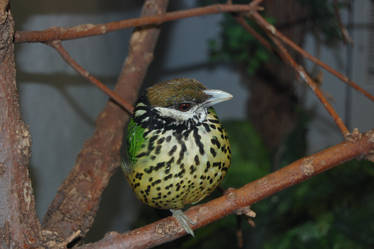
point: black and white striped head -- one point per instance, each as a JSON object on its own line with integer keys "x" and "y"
{"x": 177, "y": 102}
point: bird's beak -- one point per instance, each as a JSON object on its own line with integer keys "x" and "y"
{"x": 216, "y": 96}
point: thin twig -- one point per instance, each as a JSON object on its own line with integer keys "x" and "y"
{"x": 168, "y": 229}
{"x": 270, "y": 29}
{"x": 84, "y": 30}
{"x": 307, "y": 55}
{"x": 253, "y": 32}
{"x": 77, "y": 200}
{"x": 317, "y": 91}
{"x": 70, "y": 61}
{"x": 346, "y": 37}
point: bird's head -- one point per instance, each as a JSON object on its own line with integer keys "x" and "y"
{"x": 179, "y": 101}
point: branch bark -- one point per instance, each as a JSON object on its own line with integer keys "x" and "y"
{"x": 75, "y": 205}
{"x": 84, "y": 30}
{"x": 168, "y": 229}
{"x": 19, "y": 225}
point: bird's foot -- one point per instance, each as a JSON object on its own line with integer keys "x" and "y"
{"x": 247, "y": 211}
{"x": 183, "y": 220}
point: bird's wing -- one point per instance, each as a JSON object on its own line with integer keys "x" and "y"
{"x": 135, "y": 139}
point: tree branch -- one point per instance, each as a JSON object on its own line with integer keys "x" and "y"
{"x": 19, "y": 225}
{"x": 345, "y": 34}
{"x": 262, "y": 22}
{"x": 71, "y": 62}
{"x": 75, "y": 205}
{"x": 253, "y": 32}
{"x": 270, "y": 29}
{"x": 84, "y": 30}
{"x": 168, "y": 229}
{"x": 315, "y": 88}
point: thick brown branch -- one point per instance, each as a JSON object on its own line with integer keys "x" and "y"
{"x": 167, "y": 229}
{"x": 84, "y": 30}
{"x": 270, "y": 29}
{"x": 19, "y": 225}
{"x": 69, "y": 60}
{"x": 74, "y": 208}
{"x": 307, "y": 55}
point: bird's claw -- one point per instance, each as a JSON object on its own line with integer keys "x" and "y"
{"x": 183, "y": 220}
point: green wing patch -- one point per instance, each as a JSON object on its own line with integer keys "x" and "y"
{"x": 135, "y": 140}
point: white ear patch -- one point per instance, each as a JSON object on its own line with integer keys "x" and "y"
{"x": 197, "y": 113}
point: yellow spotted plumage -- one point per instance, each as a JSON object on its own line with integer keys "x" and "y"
{"x": 181, "y": 168}
{"x": 178, "y": 150}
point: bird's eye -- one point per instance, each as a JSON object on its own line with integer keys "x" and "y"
{"x": 184, "y": 107}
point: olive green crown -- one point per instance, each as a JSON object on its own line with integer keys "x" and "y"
{"x": 172, "y": 92}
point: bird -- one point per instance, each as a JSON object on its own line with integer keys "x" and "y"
{"x": 178, "y": 151}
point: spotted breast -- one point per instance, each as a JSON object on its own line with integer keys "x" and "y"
{"x": 178, "y": 168}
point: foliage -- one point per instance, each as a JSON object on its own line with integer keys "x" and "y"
{"x": 236, "y": 45}
{"x": 295, "y": 144}
{"x": 332, "y": 210}
{"x": 322, "y": 20}
{"x": 250, "y": 160}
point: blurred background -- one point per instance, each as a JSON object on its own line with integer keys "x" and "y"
{"x": 272, "y": 120}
